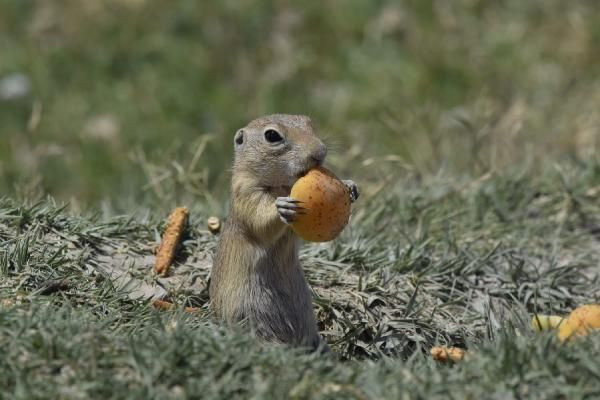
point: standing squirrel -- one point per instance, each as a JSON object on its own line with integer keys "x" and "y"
{"x": 256, "y": 276}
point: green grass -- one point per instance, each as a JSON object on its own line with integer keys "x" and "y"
{"x": 120, "y": 86}
{"x": 434, "y": 262}
{"x": 67, "y": 353}
{"x": 471, "y": 128}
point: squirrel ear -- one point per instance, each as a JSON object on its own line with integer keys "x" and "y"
{"x": 239, "y": 137}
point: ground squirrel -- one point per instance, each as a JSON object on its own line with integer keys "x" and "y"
{"x": 256, "y": 277}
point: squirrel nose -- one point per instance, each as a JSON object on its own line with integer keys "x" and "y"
{"x": 319, "y": 154}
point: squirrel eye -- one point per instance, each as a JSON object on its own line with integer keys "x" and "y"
{"x": 272, "y": 136}
{"x": 239, "y": 137}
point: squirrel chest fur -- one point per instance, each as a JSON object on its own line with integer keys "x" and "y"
{"x": 256, "y": 277}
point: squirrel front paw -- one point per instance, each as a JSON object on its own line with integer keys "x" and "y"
{"x": 288, "y": 209}
{"x": 354, "y": 193}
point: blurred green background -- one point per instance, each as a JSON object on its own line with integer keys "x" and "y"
{"x": 116, "y": 103}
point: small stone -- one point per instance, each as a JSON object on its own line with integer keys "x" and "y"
{"x": 14, "y": 86}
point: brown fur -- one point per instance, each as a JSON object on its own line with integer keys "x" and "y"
{"x": 256, "y": 276}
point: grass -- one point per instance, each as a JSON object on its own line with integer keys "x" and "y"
{"x": 134, "y": 85}
{"x": 423, "y": 264}
{"x": 471, "y": 128}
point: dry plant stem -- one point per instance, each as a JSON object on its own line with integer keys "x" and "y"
{"x": 445, "y": 354}
{"x": 170, "y": 239}
{"x": 167, "y": 305}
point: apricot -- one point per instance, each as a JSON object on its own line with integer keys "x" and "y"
{"x": 326, "y": 202}
{"x": 581, "y": 320}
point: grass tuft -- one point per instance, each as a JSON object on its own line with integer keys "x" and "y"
{"x": 422, "y": 265}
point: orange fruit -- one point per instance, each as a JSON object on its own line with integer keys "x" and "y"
{"x": 581, "y": 320}
{"x": 326, "y": 201}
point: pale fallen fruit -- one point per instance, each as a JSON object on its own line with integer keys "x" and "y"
{"x": 214, "y": 225}
{"x": 541, "y": 322}
{"x": 581, "y": 320}
{"x": 326, "y": 203}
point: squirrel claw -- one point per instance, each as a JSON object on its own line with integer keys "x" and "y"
{"x": 353, "y": 188}
{"x": 288, "y": 209}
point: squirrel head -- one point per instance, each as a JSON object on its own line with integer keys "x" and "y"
{"x": 277, "y": 149}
